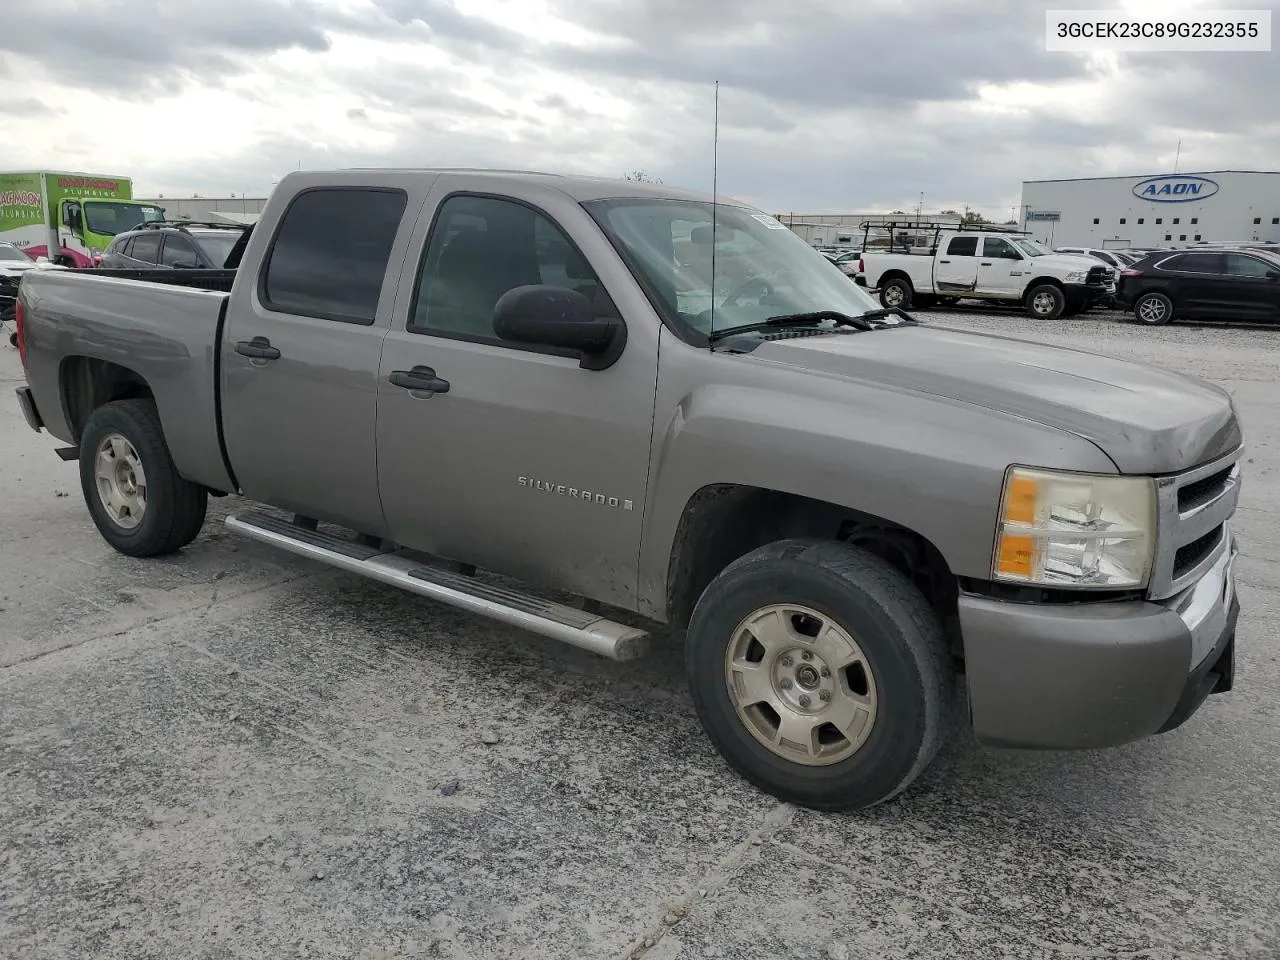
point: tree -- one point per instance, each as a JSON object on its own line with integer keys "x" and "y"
{"x": 639, "y": 176}
{"x": 973, "y": 216}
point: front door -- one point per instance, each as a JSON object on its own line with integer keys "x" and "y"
{"x": 955, "y": 269}
{"x": 301, "y": 351}
{"x": 1249, "y": 288}
{"x": 1001, "y": 269}
{"x": 520, "y": 461}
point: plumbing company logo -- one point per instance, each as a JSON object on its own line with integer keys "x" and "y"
{"x": 1174, "y": 188}
{"x": 19, "y": 198}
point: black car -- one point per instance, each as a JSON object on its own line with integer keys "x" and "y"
{"x": 176, "y": 244}
{"x": 1202, "y": 285}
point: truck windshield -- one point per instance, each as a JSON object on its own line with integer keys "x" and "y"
{"x": 108, "y": 218}
{"x": 762, "y": 269}
{"x": 1030, "y": 247}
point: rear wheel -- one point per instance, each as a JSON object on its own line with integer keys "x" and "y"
{"x": 138, "y": 501}
{"x": 896, "y": 293}
{"x": 820, "y": 673}
{"x": 1153, "y": 309}
{"x": 1046, "y": 302}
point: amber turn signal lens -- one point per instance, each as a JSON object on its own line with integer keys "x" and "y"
{"x": 1020, "y": 502}
{"x": 1017, "y": 556}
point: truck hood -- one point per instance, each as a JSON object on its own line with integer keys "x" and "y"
{"x": 1147, "y": 420}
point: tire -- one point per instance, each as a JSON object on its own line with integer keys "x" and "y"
{"x": 905, "y": 673}
{"x": 1045, "y": 302}
{"x": 169, "y": 513}
{"x": 896, "y": 293}
{"x": 1153, "y": 309}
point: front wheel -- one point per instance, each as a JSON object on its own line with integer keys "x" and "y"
{"x": 895, "y": 293}
{"x": 820, "y": 673}
{"x": 1046, "y": 302}
{"x": 138, "y": 501}
{"x": 1153, "y": 309}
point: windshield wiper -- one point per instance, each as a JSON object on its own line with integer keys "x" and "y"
{"x": 799, "y": 320}
{"x": 904, "y": 318}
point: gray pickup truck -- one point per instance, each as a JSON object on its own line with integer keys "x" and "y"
{"x": 577, "y": 405}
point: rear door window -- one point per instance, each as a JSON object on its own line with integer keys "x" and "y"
{"x": 178, "y": 250}
{"x": 963, "y": 247}
{"x": 146, "y": 247}
{"x": 329, "y": 256}
{"x": 1195, "y": 263}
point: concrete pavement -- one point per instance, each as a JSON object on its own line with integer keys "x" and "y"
{"x": 236, "y": 753}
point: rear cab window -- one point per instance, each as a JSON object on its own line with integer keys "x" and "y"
{"x": 329, "y": 256}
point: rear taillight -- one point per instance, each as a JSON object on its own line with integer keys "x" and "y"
{"x": 1130, "y": 273}
{"x": 20, "y": 321}
{"x": 862, "y": 265}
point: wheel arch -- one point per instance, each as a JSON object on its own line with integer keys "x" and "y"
{"x": 86, "y": 383}
{"x": 722, "y": 522}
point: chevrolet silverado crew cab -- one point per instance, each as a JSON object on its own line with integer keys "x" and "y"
{"x": 589, "y": 409}
{"x": 977, "y": 263}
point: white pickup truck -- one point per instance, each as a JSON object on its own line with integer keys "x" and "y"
{"x": 984, "y": 265}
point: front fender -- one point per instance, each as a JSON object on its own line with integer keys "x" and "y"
{"x": 932, "y": 465}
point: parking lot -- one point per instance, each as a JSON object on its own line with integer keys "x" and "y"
{"x": 234, "y": 752}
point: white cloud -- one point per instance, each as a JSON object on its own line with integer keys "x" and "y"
{"x": 825, "y": 104}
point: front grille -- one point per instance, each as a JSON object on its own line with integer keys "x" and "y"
{"x": 1097, "y": 276}
{"x": 1202, "y": 491}
{"x": 1188, "y": 557}
{"x": 1194, "y": 510}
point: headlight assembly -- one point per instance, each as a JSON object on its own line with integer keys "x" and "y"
{"x": 1061, "y": 529}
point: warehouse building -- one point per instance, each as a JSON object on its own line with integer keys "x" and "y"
{"x": 241, "y": 209}
{"x": 1161, "y": 210}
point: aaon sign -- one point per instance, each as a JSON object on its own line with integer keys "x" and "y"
{"x": 1175, "y": 189}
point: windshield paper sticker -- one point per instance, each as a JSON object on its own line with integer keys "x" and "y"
{"x": 768, "y": 221}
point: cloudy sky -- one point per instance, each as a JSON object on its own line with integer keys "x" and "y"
{"x": 825, "y": 104}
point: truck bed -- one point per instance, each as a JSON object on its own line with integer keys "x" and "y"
{"x": 164, "y": 325}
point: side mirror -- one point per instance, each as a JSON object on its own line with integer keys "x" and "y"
{"x": 549, "y": 316}
{"x": 1273, "y": 275}
{"x": 1012, "y": 255}
{"x": 185, "y": 265}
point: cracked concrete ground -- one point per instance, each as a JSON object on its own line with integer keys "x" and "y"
{"x": 236, "y": 753}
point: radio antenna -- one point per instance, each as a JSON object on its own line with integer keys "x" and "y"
{"x": 715, "y": 185}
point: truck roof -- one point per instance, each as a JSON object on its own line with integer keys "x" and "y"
{"x": 580, "y": 188}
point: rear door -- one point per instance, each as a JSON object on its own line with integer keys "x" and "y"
{"x": 1198, "y": 283}
{"x": 955, "y": 268}
{"x": 301, "y": 350}
{"x": 1000, "y": 269}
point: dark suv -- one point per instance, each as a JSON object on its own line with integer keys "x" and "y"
{"x": 177, "y": 244}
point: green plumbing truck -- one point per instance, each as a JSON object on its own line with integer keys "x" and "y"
{"x": 68, "y": 217}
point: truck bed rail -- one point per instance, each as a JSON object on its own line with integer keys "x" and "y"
{"x": 219, "y": 280}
